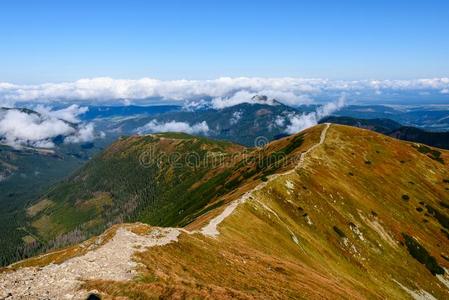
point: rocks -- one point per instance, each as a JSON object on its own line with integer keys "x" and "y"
{"x": 111, "y": 261}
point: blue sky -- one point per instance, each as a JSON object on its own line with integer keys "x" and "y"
{"x": 54, "y": 41}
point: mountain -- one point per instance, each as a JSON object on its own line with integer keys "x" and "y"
{"x": 430, "y": 118}
{"x": 99, "y": 112}
{"x": 162, "y": 179}
{"x": 240, "y": 123}
{"x": 435, "y": 139}
{"x": 396, "y": 130}
{"x": 333, "y": 212}
{"x": 384, "y": 126}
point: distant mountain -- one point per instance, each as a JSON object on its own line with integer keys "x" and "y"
{"x": 334, "y": 212}
{"x": 430, "y": 118}
{"x": 435, "y": 139}
{"x": 379, "y": 125}
{"x": 241, "y": 123}
{"x": 396, "y": 130}
{"x": 126, "y": 111}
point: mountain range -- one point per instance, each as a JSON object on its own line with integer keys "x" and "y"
{"x": 29, "y": 175}
{"x": 331, "y": 212}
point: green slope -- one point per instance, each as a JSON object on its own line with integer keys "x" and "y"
{"x": 164, "y": 179}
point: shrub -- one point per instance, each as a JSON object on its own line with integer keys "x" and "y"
{"x": 441, "y": 218}
{"x": 418, "y": 252}
{"x": 444, "y": 204}
{"x": 433, "y": 154}
{"x": 405, "y": 197}
{"x": 339, "y": 232}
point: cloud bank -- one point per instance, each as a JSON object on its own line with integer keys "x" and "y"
{"x": 221, "y": 92}
{"x": 173, "y": 126}
{"x": 39, "y": 129}
{"x": 304, "y": 121}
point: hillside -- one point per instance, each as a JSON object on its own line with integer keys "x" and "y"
{"x": 163, "y": 179}
{"x": 396, "y": 130}
{"x": 349, "y": 213}
{"x": 27, "y": 171}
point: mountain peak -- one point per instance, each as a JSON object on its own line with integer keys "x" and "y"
{"x": 262, "y": 99}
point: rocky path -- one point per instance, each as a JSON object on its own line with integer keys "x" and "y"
{"x": 111, "y": 261}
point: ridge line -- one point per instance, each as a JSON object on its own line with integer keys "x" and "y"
{"x": 211, "y": 228}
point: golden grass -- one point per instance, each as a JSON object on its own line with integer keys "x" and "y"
{"x": 38, "y": 207}
{"x": 28, "y": 239}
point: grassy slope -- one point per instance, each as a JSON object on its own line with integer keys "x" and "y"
{"x": 32, "y": 174}
{"x": 115, "y": 186}
{"x": 347, "y": 210}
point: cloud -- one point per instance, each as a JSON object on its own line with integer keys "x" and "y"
{"x": 304, "y": 121}
{"x": 85, "y": 133}
{"x": 279, "y": 121}
{"x": 222, "y": 92}
{"x": 236, "y": 116}
{"x": 174, "y": 126}
{"x": 20, "y": 128}
{"x": 69, "y": 114}
{"x": 242, "y": 97}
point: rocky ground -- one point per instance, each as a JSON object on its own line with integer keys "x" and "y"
{"x": 111, "y": 261}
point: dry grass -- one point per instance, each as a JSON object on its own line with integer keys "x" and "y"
{"x": 38, "y": 207}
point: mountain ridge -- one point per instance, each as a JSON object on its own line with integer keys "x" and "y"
{"x": 304, "y": 235}
{"x": 396, "y": 130}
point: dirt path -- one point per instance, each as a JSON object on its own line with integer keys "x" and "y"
{"x": 211, "y": 228}
{"x": 112, "y": 261}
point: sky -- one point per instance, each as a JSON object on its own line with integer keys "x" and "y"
{"x": 63, "y": 41}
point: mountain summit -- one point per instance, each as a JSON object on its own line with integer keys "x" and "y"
{"x": 333, "y": 212}
{"x": 262, "y": 99}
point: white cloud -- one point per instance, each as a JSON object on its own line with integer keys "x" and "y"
{"x": 69, "y": 114}
{"x": 306, "y": 120}
{"x": 279, "y": 121}
{"x": 85, "y": 133}
{"x": 242, "y": 97}
{"x": 223, "y": 91}
{"x": 174, "y": 126}
{"x": 19, "y": 128}
{"x": 236, "y": 116}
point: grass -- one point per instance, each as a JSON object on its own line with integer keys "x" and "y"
{"x": 38, "y": 207}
